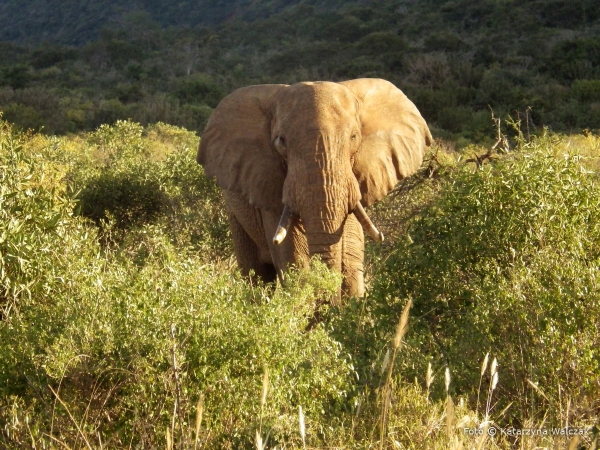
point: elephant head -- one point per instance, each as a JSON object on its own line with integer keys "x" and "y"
{"x": 317, "y": 151}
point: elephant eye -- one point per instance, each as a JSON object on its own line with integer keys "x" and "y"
{"x": 279, "y": 143}
{"x": 353, "y": 137}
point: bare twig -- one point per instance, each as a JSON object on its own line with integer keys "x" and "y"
{"x": 97, "y": 384}
{"x": 58, "y": 441}
{"x": 527, "y": 122}
{"x": 386, "y": 392}
{"x": 199, "y": 413}
{"x": 479, "y": 159}
{"x": 177, "y": 405}
{"x": 431, "y": 168}
{"x": 260, "y": 445}
{"x": 58, "y": 389}
{"x": 71, "y": 417}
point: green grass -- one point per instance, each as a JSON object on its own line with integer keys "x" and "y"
{"x": 124, "y": 323}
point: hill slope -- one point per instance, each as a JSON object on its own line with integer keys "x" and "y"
{"x": 77, "y": 22}
{"x": 173, "y": 62}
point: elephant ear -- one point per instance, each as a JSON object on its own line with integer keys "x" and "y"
{"x": 394, "y": 137}
{"x": 236, "y": 147}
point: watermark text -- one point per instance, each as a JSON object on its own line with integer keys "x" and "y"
{"x": 512, "y": 431}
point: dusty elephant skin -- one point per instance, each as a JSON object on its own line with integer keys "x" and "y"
{"x": 298, "y": 163}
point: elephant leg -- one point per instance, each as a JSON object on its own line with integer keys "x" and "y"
{"x": 250, "y": 246}
{"x": 353, "y": 255}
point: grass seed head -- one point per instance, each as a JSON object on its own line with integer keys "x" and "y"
{"x": 259, "y": 441}
{"x": 494, "y": 380}
{"x": 485, "y": 363}
{"x": 429, "y": 376}
{"x": 265, "y": 388}
{"x": 402, "y": 325}
{"x": 301, "y": 423}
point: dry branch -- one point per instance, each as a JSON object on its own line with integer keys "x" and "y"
{"x": 479, "y": 159}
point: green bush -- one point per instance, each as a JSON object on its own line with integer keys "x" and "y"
{"x": 129, "y": 351}
{"x": 381, "y": 42}
{"x": 586, "y": 90}
{"x": 199, "y": 89}
{"x": 575, "y": 59}
{"x": 444, "y": 41}
{"x": 132, "y": 197}
{"x": 138, "y": 177}
{"x": 26, "y": 116}
{"x": 506, "y": 261}
{"x": 454, "y": 118}
{"x": 126, "y": 186}
{"x": 35, "y": 217}
{"x": 197, "y": 217}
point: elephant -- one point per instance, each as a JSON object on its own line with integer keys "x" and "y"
{"x": 297, "y": 164}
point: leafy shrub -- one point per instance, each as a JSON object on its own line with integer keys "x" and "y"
{"x": 506, "y": 261}
{"x": 381, "y": 42}
{"x": 17, "y": 76}
{"x": 195, "y": 116}
{"x": 126, "y": 187}
{"x": 199, "y": 88}
{"x": 197, "y": 217}
{"x": 575, "y": 59}
{"x": 138, "y": 177}
{"x": 453, "y": 119}
{"x": 444, "y": 41}
{"x": 26, "y": 116}
{"x": 130, "y": 197}
{"x": 131, "y": 351}
{"x": 35, "y": 217}
{"x": 360, "y": 67}
{"x": 561, "y": 13}
{"x": 586, "y": 90}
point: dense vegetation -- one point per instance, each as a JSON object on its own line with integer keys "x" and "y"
{"x": 124, "y": 322}
{"x": 70, "y": 66}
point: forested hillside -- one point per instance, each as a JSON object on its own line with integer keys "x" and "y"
{"x": 70, "y": 66}
{"x": 76, "y": 22}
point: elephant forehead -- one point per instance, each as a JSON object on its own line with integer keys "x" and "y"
{"x": 318, "y": 100}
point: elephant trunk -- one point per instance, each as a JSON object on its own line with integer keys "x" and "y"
{"x": 327, "y": 243}
{"x": 323, "y": 214}
{"x": 322, "y": 190}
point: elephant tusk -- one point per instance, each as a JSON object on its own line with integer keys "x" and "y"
{"x": 284, "y": 224}
{"x": 366, "y": 223}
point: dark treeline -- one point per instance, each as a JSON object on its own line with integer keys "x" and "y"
{"x": 71, "y": 66}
